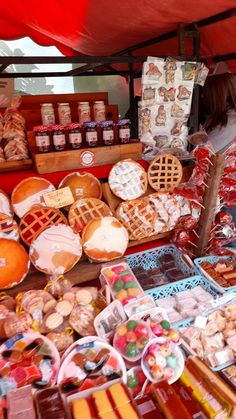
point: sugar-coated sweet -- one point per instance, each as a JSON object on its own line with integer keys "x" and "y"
{"x": 131, "y": 325}
{"x": 121, "y": 295}
{"x": 132, "y": 381}
{"x": 165, "y": 350}
{"x": 130, "y": 284}
{"x": 150, "y": 360}
{"x": 141, "y": 330}
{"x": 121, "y": 342}
{"x": 108, "y": 273}
{"x": 154, "y": 349}
{"x": 157, "y": 372}
{"x": 121, "y": 330}
{"x": 131, "y": 336}
{"x": 142, "y": 341}
{"x": 165, "y": 324}
{"x": 172, "y": 361}
{"x": 118, "y": 285}
{"x": 131, "y": 350}
{"x": 134, "y": 292}
{"x": 168, "y": 373}
{"x": 118, "y": 268}
{"x": 161, "y": 361}
{"x": 173, "y": 335}
{"x": 157, "y": 329}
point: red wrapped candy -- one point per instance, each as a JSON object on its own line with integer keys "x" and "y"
{"x": 223, "y": 217}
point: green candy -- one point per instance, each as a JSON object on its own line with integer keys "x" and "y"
{"x": 132, "y": 382}
{"x": 165, "y": 324}
{"x": 124, "y": 273}
{"x": 130, "y": 284}
{"x": 131, "y": 325}
{"x": 131, "y": 350}
{"x": 118, "y": 285}
{"x": 172, "y": 361}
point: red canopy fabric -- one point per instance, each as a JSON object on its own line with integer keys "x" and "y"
{"x": 102, "y": 27}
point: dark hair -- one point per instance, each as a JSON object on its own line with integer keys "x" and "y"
{"x": 218, "y": 97}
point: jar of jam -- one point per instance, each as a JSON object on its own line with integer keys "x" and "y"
{"x": 84, "y": 112}
{"x": 124, "y": 130}
{"x": 58, "y": 137}
{"x": 75, "y": 135}
{"x": 107, "y": 132}
{"x": 91, "y": 134}
{"x": 64, "y": 113}
{"x": 99, "y": 111}
{"x": 42, "y": 138}
{"x": 47, "y": 114}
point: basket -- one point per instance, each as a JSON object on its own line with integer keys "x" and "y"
{"x": 212, "y": 259}
{"x": 183, "y": 285}
{"x": 148, "y": 259}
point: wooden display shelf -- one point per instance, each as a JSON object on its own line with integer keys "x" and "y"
{"x": 82, "y": 158}
{"x": 11, "y": 166}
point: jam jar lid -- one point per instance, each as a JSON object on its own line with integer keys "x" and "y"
{"x": 74, "y": 125}
{"x": 57, "y": 127}
{"x": 90, "y": 124}
{"x": 40, "y": 128}
{"x": 46, "y": 104}
{"x": 63, "y": 104}
{"x": 123, "y": 122}
{"x": 105, "y": 124}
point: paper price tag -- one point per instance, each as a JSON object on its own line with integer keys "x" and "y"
{"x": 60, "y": 198}
{"x": 2, "y": 262}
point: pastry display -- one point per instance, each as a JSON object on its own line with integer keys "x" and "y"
{"x": 131, "y": 338}
{"x": 121, "y": 281}
{"x": 28, "y": 193}
{"x": 92, "y": 362}
{"x": 28, "y": 358}
{"x": 38, "y": 219}
{"x": 8, "y": 227}
{"x": 82, "y": 185}
{"x": 112, "y": 403}
{"x": 14, "y": 263}
{"x": 56, "y": 250}
{"x": 128, "y": 179}
{"x": 165, "y": 172}
{"x": 186, "y": 304}
{"x": 84, "y": 210}
{"x": 215, "y": 342}
{"x": 104, "y": 239}
{"x": 162, "y": 360}
{"x": 5, "y": 205}
{"x": 138, "y": 217}
{"x": 223, "y": 271}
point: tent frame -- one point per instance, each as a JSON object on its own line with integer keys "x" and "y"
{"x": 102, "y": 65}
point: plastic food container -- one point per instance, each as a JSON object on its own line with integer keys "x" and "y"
{"x": 122, "y": 282}
{"x": 162, "y": 360}
{"x": 131, "y": 338}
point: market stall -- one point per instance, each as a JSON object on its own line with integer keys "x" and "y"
{"x": 118, "y": 293}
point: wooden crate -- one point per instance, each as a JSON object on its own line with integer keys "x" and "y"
{"x": 84, "y": 157}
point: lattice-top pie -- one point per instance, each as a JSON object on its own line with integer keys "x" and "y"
{"x": 128, "y": 179}
{"x": 36, "y": 220}
{"x": 84, "y": 210}
{"x": 165, "y": 172}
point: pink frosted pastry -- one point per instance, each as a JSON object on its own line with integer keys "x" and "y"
{"x": 104, "y": 239}
{"x": 56, "y": 250}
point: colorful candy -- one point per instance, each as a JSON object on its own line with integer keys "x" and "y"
{"x": 130, "y": 339}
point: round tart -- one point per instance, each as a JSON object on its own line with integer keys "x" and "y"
{"x": 82, "y": 185}
{"x": 85, "y": 210}
{"x": 36, "y": 220}
{"x": 104, "y": 239}
{"x": 138, "y": 216}
{"x": 56, "y": 250}
{"x": 14, "y": 263}
{"x": 168, "y": 211}
{"x": 128, "y": 179}
{"x": 5, "y": 205}
{"x": 165, "y": 172}
{"x": 8, "y": 227}
{"x": 29, "y": 193}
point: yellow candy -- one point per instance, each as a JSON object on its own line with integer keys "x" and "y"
{"x": 121, "y": 295}
{"x": 121, "y": 330}
{"x": 134, "y": 292}
{"x": 108, "y": 273}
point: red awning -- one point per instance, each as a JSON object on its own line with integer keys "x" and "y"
{"x": 102, "y": 27}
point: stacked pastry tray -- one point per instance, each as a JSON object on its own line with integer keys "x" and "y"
{"x": 172, "y": 289}
{"x": 212, "y": 259}
{"x": 149, "y": 260}
{"x": 190, "y": 351}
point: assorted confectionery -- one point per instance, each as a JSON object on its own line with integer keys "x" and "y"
{"x": 117, "y": 291}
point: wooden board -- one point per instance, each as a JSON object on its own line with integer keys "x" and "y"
{"x": 84, "y": 157}
{"x": 11, "y": 166}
